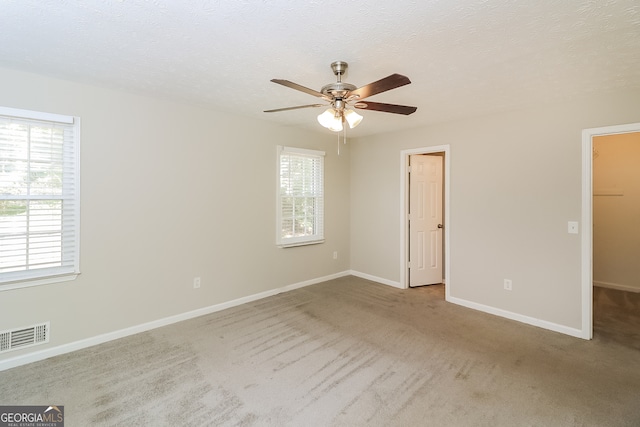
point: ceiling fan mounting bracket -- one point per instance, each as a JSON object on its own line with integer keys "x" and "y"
{"x": 339, "y": 68}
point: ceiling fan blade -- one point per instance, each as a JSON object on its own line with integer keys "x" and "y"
{"x": 296, "y": 86}
{"x": 294, "y": 108}
{"x": 385, "y": 108}
{"x": 390, "y": 82}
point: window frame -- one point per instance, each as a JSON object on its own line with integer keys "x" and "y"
{"x": 318, "y": 235}
{"x": 70, "y": 218}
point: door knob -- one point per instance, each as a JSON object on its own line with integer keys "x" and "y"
{"x": 439, "y": 225}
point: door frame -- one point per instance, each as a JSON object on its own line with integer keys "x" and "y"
{"x": 587, "y": 218}
{"x": 404, "y": 212}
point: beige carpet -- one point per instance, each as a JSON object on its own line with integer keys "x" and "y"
{"x": 347, "y": 352}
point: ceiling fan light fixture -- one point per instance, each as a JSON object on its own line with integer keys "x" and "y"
{"x": 343, "y": 97}
{"x": 352, "y": 118}
{"x": 331, "y": 119}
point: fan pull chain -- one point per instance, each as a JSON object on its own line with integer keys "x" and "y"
{"x": 344, "y": 137}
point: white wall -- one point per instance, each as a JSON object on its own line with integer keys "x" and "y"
{"x": 170, "y": 192}
{"x": 515, "y": 183}
{"x": 616, "y": 218}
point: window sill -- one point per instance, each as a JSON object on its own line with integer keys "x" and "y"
{"x": 27, "y": 283}
{"x": 296, "y": 244}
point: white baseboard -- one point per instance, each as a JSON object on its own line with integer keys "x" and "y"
{"x": 376, "y": 279}
{"x": 616, "y": 286}
{"x": 521, "y": 318}
{"x": 110, "y": 336}
{"x": 491, "y": 310}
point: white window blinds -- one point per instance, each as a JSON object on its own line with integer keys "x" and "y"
{"x": 39, "y": 195}
{"x": 300, "y": 215}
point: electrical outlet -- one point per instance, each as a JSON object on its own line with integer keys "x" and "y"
{"x": 508, "y": 284}
{"x": 196, "y": 282}
{"x": 335, "y": 254}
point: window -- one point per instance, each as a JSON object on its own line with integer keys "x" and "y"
{"x": 39, "y": 197}
{"x": 300, "y": 215}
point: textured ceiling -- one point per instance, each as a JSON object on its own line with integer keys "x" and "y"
{"x": 464, "y": 57}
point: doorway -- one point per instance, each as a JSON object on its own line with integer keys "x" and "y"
{"x": 443, "y": 153}
{"x": 588, "y": 136}
{"x": 616, "y": 203}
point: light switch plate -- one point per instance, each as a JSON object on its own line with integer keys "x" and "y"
{"x": 572, "y": 227}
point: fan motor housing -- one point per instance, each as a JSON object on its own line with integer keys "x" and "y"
{"x": 337, "y": 90}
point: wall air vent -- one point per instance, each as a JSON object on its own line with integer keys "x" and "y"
{"x": 24, "y": 337}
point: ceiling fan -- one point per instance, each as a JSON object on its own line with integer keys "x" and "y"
{"x": 342, "y": 96}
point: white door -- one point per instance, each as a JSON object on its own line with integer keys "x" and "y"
{"x": 425, "y": 220}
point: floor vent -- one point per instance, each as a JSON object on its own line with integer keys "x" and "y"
{"x": 24, "y": 337}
